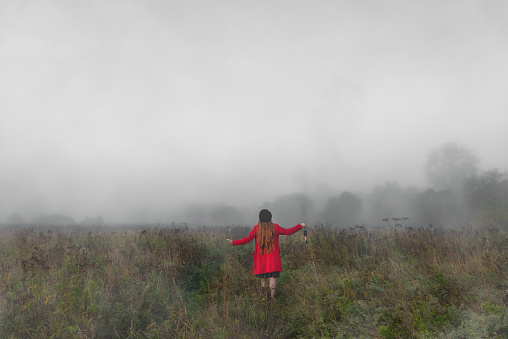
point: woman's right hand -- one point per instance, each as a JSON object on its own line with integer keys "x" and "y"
{"x": 303, "y": 224}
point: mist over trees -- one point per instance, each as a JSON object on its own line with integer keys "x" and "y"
{"x": 486, "y": 195}
{"x": 54, "y": 219}
{"x": 217, "y": 214}
{"x": 448, "y": 167}
{"x": 345, "y": 209}
{"x": 387, "y": 201}
{"x": 459, "y": 193}
{"x": 292, "y": 209}
{"x": 93, "y": 221}
{"x": 433, "y": 207}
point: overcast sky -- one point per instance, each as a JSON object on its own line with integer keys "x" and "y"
{"x": 132, "y": 109}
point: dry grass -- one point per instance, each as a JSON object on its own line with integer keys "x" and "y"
{"x": 179, "y": 282}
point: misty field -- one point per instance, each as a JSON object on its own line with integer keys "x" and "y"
{"x": 189, "y": 282}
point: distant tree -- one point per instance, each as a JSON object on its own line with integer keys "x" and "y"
{"x": 95, "y": 221}
{"x": 14, "y": 219}
{"x": 196, "y": 214}
{"x": 292, "y": 209}
{"x": 225, "y": 215}
{"x": 54, "y": 219}
{"x": 342, "y": 210}
{"x": 388, "y": 201}
{"x": 218, "y": 214}
{"x": 441, "y": 208}
{"x": 487, "y": 197}
{"x": 448, "y": 166}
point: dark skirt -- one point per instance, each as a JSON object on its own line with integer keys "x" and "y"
{"x": 275, "y": 274}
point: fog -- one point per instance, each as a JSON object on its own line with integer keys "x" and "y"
{"x": 161, "y": 111}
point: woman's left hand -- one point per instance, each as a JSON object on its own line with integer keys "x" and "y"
{"x": 229, "y": 241}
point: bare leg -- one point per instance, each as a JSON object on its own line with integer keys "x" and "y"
{"x": 264, "y": 289}
{"x": 273, "y": 284}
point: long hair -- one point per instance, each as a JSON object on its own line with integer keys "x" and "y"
{"x": 264, "y": 236}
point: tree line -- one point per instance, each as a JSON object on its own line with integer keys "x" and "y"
{"x": 459, "y": 193}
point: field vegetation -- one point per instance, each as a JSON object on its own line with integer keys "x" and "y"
{"x": 179, "y": 282}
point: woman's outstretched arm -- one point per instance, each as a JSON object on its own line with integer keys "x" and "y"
{"x": 245, "y": 240}
{"x": 288, "y": 231}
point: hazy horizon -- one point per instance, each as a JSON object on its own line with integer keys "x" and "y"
{"x": 134, "y": 111}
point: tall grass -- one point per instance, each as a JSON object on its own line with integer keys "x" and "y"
{"x": 180, "y": 282}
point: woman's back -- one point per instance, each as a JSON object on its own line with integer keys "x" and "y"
{"x": 267, "y": 263}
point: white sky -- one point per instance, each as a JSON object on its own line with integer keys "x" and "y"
{"x": 132, "y": 109}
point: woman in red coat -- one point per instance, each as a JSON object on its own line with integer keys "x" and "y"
{"x": 267, "y": 262}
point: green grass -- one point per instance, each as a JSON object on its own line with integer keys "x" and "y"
{"x": 179, "y": 282}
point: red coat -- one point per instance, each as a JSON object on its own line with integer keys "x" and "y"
{"x": 270, "y": 262}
